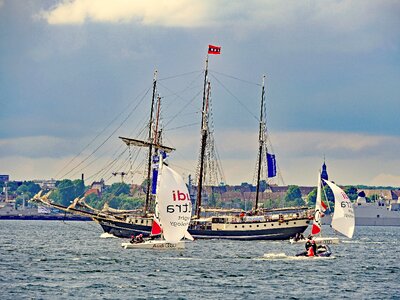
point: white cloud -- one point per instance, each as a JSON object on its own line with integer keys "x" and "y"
{"x": 340, "y": 16}
{"x": 346, "y": 26}
{"x": 351, "y": 158}
{"x": 168, "y": 13}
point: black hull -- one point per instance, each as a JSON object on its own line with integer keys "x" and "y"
{"x": 248, "y": 235}
{"x": 126, "y": 230}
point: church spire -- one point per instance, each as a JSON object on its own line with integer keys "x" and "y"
{"x": 324, "y": 173}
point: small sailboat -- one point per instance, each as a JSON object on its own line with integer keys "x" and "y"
{"x": 320, "y": 209}
{"x": 343, "y": 218}
{"x": 172, "y": 215}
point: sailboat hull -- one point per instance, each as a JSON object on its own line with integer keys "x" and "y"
{"x": 251, "y": 231}
{"x": 154, "y": 244}
{"x": 318, "y": 240}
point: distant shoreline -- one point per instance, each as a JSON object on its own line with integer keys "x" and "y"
{"x": 46, "y": 217}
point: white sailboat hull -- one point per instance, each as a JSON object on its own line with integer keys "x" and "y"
{"x": 319, "y": 240}
{"x": 154, "y": 244}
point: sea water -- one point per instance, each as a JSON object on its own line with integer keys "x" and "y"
{"x": 58, "y": 260}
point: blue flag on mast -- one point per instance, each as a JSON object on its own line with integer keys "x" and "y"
{"x": 271, "y": 162}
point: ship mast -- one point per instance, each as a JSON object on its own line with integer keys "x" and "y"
{"x": 146, "y": 206}
{"x": 203, "y": 141}
{"x": 260, "y": 141}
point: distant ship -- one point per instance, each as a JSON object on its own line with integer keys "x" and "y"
{"x": 380, "y": 213}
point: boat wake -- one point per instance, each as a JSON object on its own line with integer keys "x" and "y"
{"x": 280, "y": 256}
{"x": 275, "y": 256}
{"x": 106, "y": 235}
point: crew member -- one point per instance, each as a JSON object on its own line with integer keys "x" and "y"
{"x": 309, "y": 242}
{"x": 132, "y": 239}
{"x": 310, "y": 251}
{"x": 314, "y": 246}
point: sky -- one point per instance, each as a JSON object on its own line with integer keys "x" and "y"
{"x": 76, "y": 73}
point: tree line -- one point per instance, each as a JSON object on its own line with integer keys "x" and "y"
{"x": 120, "y": 196}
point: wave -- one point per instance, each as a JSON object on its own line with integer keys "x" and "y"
{"x": 106, "y": 235}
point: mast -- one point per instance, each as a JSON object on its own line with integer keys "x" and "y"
{"x": 260, "y": 141}
{"x": 203, "y": 141}
{"x": 146, "y": 206}
{"x": 156, "y": 135}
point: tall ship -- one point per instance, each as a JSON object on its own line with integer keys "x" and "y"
{"x": 207, "y": 222}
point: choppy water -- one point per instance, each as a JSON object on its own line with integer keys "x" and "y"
{"x": 52, "y": 259}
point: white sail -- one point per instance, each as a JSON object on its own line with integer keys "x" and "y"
{"x": 174, "y": 207}
{"x": 343, "y": 217}
{"x": 319, "y": 209}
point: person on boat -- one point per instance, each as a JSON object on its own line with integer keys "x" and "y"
{"x": 299, "y": 237}
{"x": 309, "y": 242}
{"x": 314, "y": 246}
{"x": 132, "y": 239}
{"x": 321, "y": 249}
{"x": 139, "y": 238}
{"x": 308, "y": 245}
{"x": 310, "y": 251}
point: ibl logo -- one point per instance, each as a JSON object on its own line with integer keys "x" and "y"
{"x": 179, "y": 196}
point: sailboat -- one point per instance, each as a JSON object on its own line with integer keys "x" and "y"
{"x": 256, "y": 224}
{"x": 343, "y": 220}
{"x": 172, "y": 213}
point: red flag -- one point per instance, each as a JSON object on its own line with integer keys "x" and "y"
{"x": 214, "y": 49}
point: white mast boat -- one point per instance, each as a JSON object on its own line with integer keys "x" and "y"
{"x": 173, "y": 212}
{"x": 343, "y": 218}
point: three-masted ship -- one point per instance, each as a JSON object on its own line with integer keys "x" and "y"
{"x": 208, "y": 223}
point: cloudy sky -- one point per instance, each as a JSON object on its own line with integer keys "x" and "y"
{"x": 76, "y": 74}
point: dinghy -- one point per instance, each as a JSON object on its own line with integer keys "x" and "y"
{"x": 343, "y": 218}
{"x": 320, "y": 209}
{"x": 172, "y": 215}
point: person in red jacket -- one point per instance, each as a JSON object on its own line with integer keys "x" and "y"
{"x": 312, "y": 251}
